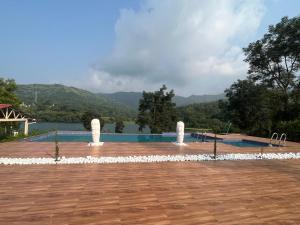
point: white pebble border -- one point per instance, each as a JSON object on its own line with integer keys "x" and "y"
{"x": 146, "y": 159}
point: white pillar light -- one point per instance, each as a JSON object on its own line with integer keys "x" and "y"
{"x": 26, "y": 127}
{"x": 180, "y": 133}
{"x": 95, "y": 125}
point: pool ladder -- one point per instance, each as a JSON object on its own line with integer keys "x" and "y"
{"x": 282, "y": 139}
{"x": 227, "y": 128}
{"x": 203, "y": 135}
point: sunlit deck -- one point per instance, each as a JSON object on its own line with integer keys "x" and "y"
{"x": 222, "y": 192}
{"x": 46, "y": 149}
{"x": 158, "y": 193}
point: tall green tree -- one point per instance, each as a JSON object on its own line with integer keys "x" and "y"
{"x": 248, "y": 107}
{"x": 119, "y": 126}
{"x": 157, "y": 110}
{"x": 8, "y": 96}
{"x": 7, "y": 92}
{"x": 274, "y": 60}
{"x": 201, "y": 115}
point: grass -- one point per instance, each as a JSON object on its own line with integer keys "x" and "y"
{"x": 20, "y": 136}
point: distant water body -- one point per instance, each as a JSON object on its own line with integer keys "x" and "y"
{"x": 108, "y": 128}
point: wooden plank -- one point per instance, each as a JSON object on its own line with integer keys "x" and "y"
{"x": 223, "y": 192}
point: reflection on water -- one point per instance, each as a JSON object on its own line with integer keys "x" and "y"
{"x": 108, "y": 128}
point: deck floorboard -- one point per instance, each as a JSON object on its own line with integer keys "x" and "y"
{"x": 223, "y": 192}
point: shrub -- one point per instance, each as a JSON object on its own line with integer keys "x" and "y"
{"x": 291, "y": 128}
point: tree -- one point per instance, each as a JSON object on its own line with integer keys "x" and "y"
{"x": 248, "y": 107}
{"x": 275, "y": 59}
{"x": 119, "y": 126}
{"x": 8, "y": 96}
{"x": 7, "y": 92}
{"x": 157, "y": 110}
{"x": 201, "y": 115}
{"x": 87, "y": 118}
{"x": 295, "y": 101}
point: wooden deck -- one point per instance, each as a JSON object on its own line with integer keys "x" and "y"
{"x": 223, "y": 192}
{"x": 46, "y": 149}
{"x": 216, "y": 192}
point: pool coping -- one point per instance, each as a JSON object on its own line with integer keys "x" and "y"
{"x": 166, "y": 134}
{"x": 51, "y": 133}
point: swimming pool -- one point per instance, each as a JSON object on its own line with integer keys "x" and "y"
{"x": 86, "y": 137}
{"x": 245, "y": 143}
{"x": 108, "y": 137}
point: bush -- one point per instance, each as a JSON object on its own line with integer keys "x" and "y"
{"x": 119, "y": 126}
{"x": 87, "y": 118}
{"x": 291, "y": 128}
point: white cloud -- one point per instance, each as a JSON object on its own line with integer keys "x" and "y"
{"x": 193, "y": 46}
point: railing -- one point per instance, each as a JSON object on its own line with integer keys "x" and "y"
{"x": 228, "y": 127}
{"x": 272, "y": 137}
{"x": 282, "y": 139}
{"x": 204, "y": 137}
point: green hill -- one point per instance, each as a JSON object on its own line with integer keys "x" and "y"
{"x": 61, "y": 103}
{"x": 56, "y": 102}
{"x": 131, "y": 99}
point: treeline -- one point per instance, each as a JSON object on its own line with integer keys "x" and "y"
{"x": 269, "y": 99}
{"x": 59, "y": 103}
{"x": 203, "y": 115}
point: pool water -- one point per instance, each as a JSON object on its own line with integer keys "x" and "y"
{"x": 86, "y": 137}
{"x": 245, "y": 143}
{"x": 113, "y": 138}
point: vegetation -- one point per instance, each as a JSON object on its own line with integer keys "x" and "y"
{"x": 119, "y": 126}
{"x": 132, "y": 99}
{"x": 87, "y": 118}
{"x": 8, "y": 96}
{"x": 59, "y": 103}
{"x": 157, "y": 111}
{"x": 7, "y": 92}
{"x": 8, "y": 137}
{"x": 248, "y": 107}
{"x": 202, "y": 116}
{"x": 269, "y": 99}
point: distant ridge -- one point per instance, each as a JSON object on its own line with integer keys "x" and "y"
{"x": 75, "y": 98}
{"x": 131, "y": 99}
{"x": 56, "y": 100}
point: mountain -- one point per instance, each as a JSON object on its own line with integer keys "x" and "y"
{"x": 131, "y": 99}
{"x": 182, "y": 101}
{"x": 56, "y": 102}
{"x": 50, "y": 102}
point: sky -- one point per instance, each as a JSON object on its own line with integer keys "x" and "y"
{"x": 192, "y": 46}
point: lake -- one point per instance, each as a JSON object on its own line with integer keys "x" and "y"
{"x": 108, "y": 128}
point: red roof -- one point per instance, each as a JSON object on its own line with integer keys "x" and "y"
{"x": 3, "y": 106}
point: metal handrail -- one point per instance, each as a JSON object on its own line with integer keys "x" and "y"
{"x": 198, "y": 135}
{"x": 204, "y": 136}
{"x": 228, "y": 127}
{"x": 273, "y": 137}
{"x": 281, "y": 138}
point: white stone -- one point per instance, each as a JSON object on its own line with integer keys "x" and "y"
{"x": 148, "y": 159}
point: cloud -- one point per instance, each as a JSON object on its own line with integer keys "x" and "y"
{"x": 192, "y": 46}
